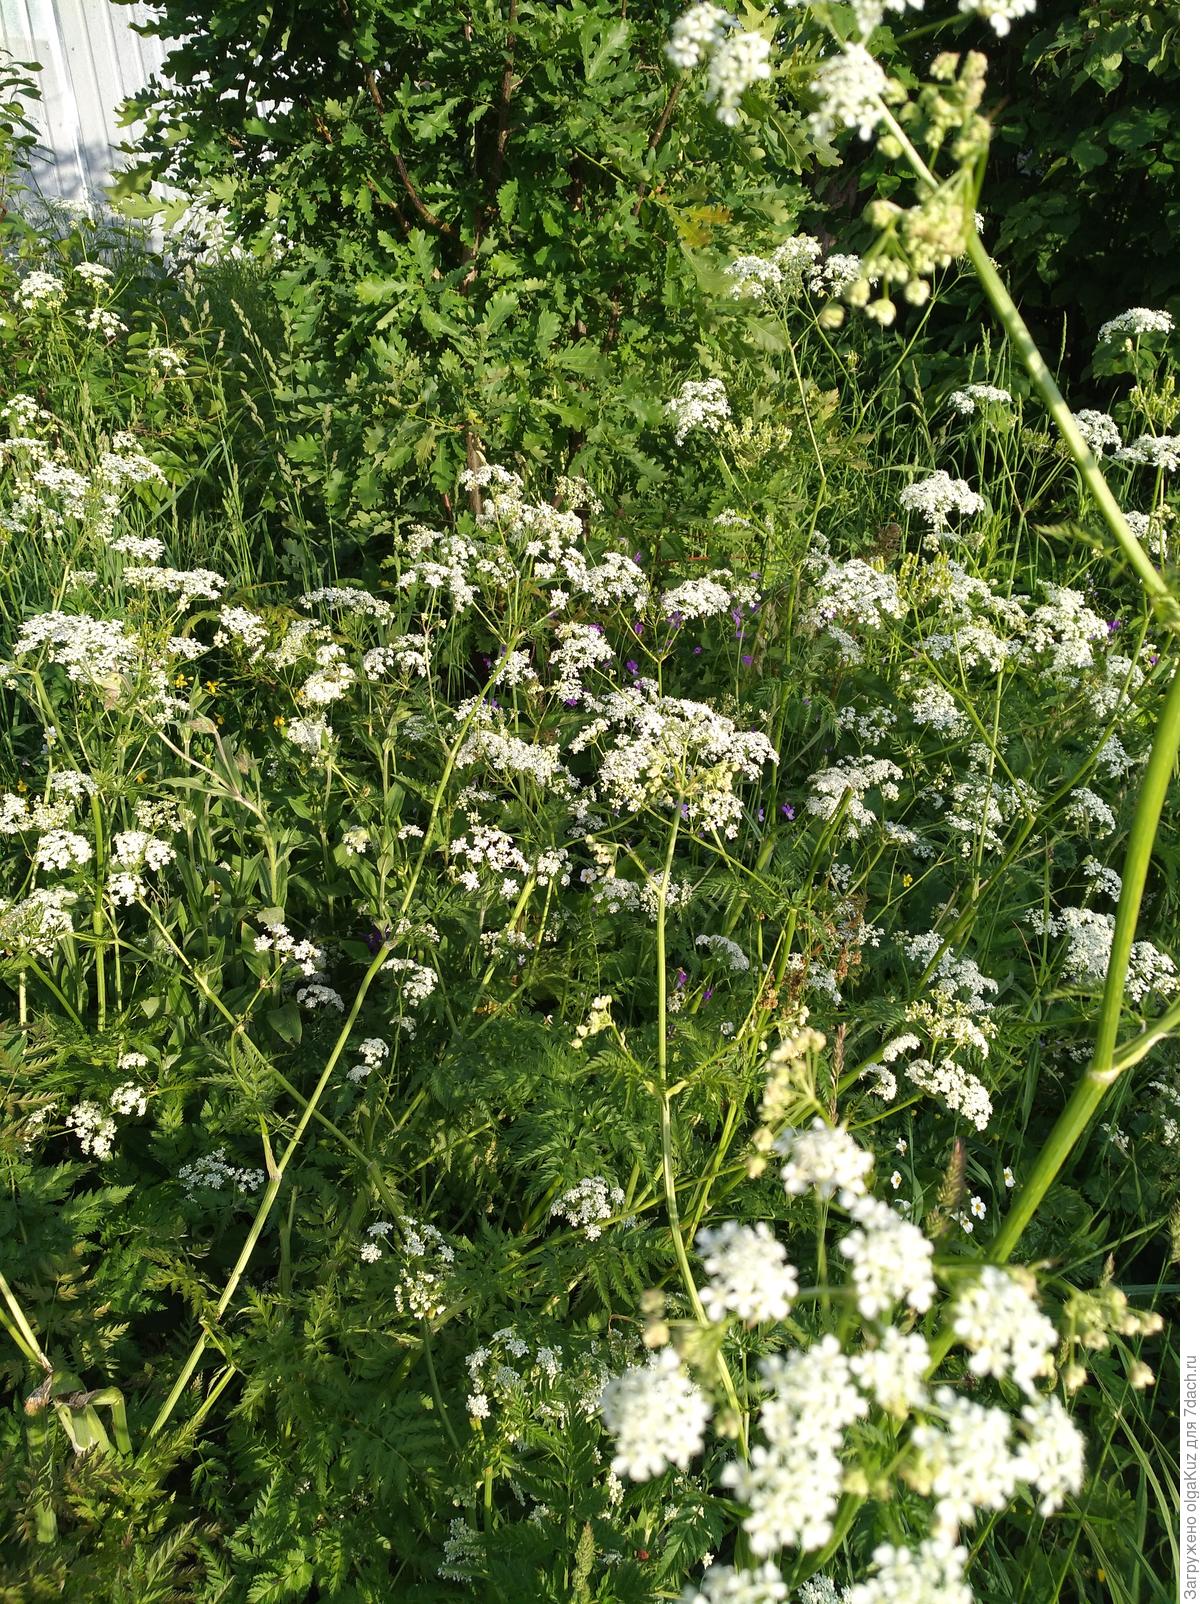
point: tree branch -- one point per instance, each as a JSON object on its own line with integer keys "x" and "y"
{"x": 428, "y": 218}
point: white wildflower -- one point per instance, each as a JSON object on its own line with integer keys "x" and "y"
{"x": 1009, "y": 1337}
{"x": 1133, "y": 324}
{"x": 749, "y": 1274}
{"x": 933, "y": 499}
{"x": 701, "y": 404}
{"x": 848, "y": 88}
{"x": 1000, "y": 13}
{"x": 657, "y": 1415}
{"x": 824, "y": 1159}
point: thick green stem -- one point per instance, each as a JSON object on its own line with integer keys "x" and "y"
{"x": 1104, "y": 1068}
{"x": 1023, "y": 343}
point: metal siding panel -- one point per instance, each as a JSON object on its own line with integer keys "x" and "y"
{"x": 91, "y": 61}
{"x": 92, "y": 84}
{"x": 17, "y": 37}
{"x": 65, "y": 176}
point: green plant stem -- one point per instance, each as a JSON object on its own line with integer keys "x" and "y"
{"x": 272, "y": 1190}
{"x": 1105, "y": 1067}
{"x": 439, "y": 1404}
{"x": 21, "y": 1331}
{"x": 1023, "y": 343}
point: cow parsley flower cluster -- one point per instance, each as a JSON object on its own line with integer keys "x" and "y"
{"x": 588, "y": 1203}
{"x": 748, "y": 1273}
{"x": 823, "y": 1159}
{"x": 135, "y": 852}
{"x": 667, "y": 751}
{"x": 425, "y": 1261}
{"x": 94, "y": 1130}
{"x": 998, "y": 1319}
{"x": 891, "y": 1258}
{"x": 971, "y": 397}
{"x": 1087, "y": 947}
{"x": 1131, "y": 325}
{"x": 212, "y": 1172}
{"x": 935, "y": 498}
{"x": 1000, "y": 13}
{"x": 701, "y": 404}
{"x": 847, "y": 783}
{"x": 657, "y": 1414}
{"x": 849, "y": 88}
{"x": 33, "y": 926}
{"x": 737, "y": 59}
{"x": 1161, "y": 451}
{"x": 793, "y": 1481}
{"x": 1099, "y": 431}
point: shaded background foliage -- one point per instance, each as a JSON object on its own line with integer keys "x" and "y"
{"x": 500, "y": 223}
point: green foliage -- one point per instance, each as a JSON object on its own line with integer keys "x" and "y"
{"x": 1084, "y": 177}
{"x": 244, "y": 1335}
{"x": 498, "y": 253}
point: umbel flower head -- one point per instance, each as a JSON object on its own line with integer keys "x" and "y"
{"x": 657, "y": 1414}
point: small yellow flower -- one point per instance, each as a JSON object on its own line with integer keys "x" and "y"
{"x": 21, "y": 786}
{"x": 279, "y": 721}
{"x": 139, "y": 778}
{"x": 180, "y": 679}
{"x": 212, "y": 686}
{"x": 906, "y": 880}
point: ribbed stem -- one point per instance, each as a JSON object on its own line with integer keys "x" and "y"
{"x": 1103, "y": 1070}
{"x": 1023, "y": 344}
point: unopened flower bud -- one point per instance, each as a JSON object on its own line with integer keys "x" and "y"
{"x": 858, "y": 294}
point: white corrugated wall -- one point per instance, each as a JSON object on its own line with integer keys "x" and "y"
{"x": 91, "y": 60}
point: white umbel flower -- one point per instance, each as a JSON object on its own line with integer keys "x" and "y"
{"x": 723, "y": 1585}
{"x": 848, "y": 88}
{"x": 741, "y": 60}
{"x": 697, "y": 32}
{"x": 1099, "y": 431}
{"x": 1000, "y": 13}
{"x": 892, "y": 1259}
{"x": 930, "y": 1574}
{"x": 793, "y": 1482}
{"x": 1008, "y": 1335}
{"x": 701, "y": 404}
{"x": 824, "y": 1159}
{"x": 935, "y": 498}
{"x": 894, "y": 1371}
{"x": 968, "y": 1462}
{"x": 749, "y": 1274}
{"x": 1131, "y": 325}
{"x": 972, "y": 396}
{"x": 657, "y": 1414}
{"x": 1053, "y": 1452}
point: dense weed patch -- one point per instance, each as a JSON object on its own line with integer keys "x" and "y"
{"x": 590, "y": 1019}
